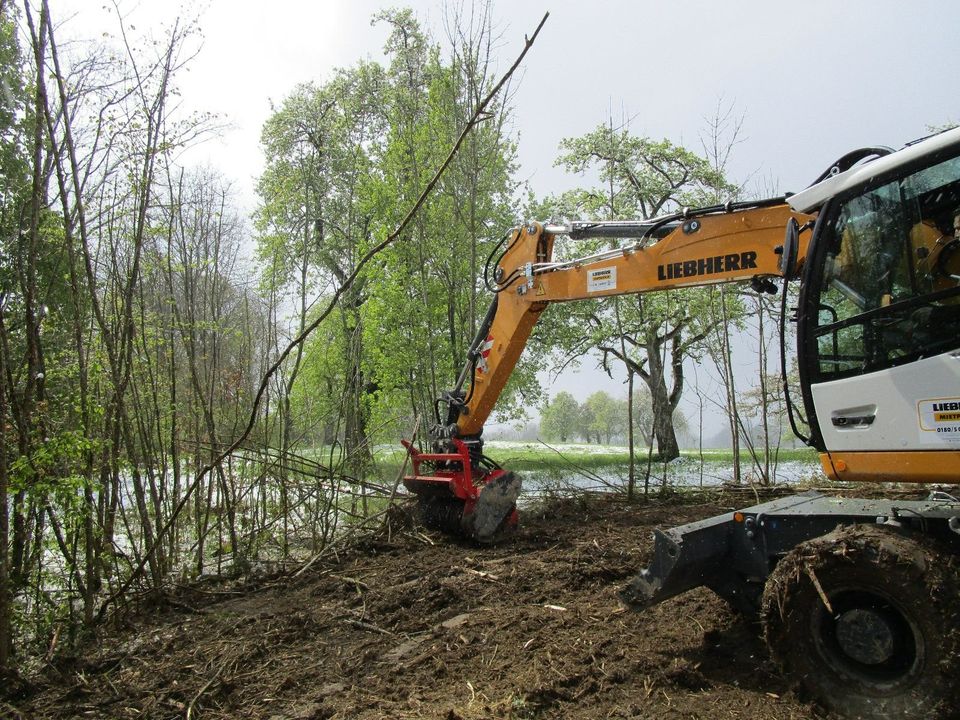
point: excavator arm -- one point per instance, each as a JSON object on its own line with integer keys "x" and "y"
{"x": 712, "y": 247}
{"x": 460, "y": 490}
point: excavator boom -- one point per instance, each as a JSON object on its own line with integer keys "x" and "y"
{"x": 698, "y": 247}
{"x": 457, "y": 484}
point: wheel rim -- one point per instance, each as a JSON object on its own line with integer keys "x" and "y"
{"x": 868, "y": 638}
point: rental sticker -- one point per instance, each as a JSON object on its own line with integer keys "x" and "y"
{"x": 939, "y": 420}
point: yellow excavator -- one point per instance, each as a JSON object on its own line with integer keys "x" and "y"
{"x": 858, "y": 597}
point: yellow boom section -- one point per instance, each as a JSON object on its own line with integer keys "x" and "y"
{"x": 712, "y": 248}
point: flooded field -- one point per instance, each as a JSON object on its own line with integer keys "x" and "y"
{"x": 563, "y": 469}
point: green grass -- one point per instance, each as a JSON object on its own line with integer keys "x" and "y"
{"x": 556, "y": 457}
{"x": 540, "y": 457}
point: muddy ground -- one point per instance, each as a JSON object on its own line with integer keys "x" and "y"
{"x": 410, "y": 625}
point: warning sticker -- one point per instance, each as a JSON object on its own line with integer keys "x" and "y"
{"x": 485, "y": 349}
{"x": 601, "y": 279}
{"x": 939, "y": 420}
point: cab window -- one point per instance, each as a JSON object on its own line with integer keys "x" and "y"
{"x": 889, "y": 290}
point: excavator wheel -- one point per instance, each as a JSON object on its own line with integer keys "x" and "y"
{"x": 867, "y": 620}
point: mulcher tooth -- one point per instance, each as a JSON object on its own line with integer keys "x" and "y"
{"x": 442, "y": 513}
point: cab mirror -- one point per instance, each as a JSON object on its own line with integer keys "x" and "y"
{"x": 788, "y": 253}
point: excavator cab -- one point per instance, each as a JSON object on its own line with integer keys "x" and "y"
{"x": 879, "y": 318}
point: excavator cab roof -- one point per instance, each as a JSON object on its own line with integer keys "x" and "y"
{"x": 839, "y": 182}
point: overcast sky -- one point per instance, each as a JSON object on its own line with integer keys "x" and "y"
{"x": 811, "y": 79}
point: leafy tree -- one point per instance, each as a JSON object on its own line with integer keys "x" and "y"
{"x": 561, "y": 418}
{"x": 14, "y": 188}
{"x": 427, "y": 297}
{"x": 87, "y": 361}
{"x": 315, "y": 221}
{"x": 346, "y": 159}
{"x": 608, "y": 419}
{"x": 639, "y": 178}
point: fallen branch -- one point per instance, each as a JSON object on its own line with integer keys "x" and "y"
{"x": 819, "y": 588}
{"x": 361, "y": 625}
{"x": 489, "y": 577}
{"x": 206, "y": 687}
{"x": 359, "y": 584}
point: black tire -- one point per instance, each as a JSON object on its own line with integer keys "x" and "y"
{"x": 889, "y": 646}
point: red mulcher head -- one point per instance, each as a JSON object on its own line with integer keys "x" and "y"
{"x": 455, "y": 500}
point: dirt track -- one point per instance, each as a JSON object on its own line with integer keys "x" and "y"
{"x": 412, "y": 626}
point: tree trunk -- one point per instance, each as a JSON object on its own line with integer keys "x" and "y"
{"x": 5, "y": 589}
{"x": 667, "y": 446}
{"x": 733, "y": 413}
{"x": 356, "y": 443}
{"x": 631, "y": 474}
{"x": 764, "y": 398}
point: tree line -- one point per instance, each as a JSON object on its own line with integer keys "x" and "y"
{"x": 601, "y": 418}
{"x": 136, "y": 326}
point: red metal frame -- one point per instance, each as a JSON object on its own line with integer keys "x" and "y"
{"x": 460, "y": 483}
